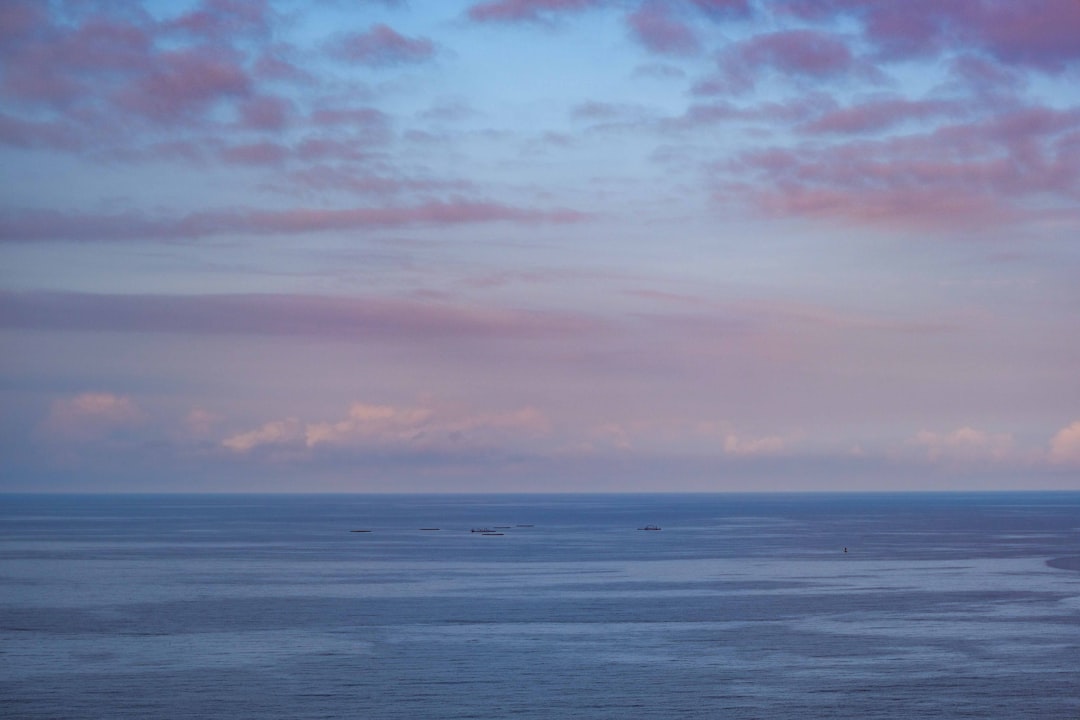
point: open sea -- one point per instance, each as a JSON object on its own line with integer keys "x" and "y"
{"x": 740, "y": 606}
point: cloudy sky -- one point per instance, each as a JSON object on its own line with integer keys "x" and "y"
{"x": 539, "y": 245}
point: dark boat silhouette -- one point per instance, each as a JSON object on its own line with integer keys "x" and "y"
{"x": 649, "y": 527}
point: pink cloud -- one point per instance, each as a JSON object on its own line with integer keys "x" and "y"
{"x": 379, "y": 423}
{"x": 327, "y": 178}
{"x": 965, "y": 175}
{"x": 382, "y": 45}
{"x": 184, "y": 84}
{"x": 19, "y": 19}
{"x": 32, "y": 76}
{"x": 283, "y": 315}
{"x": 924, "y": 209}
{"x": 396, "y": 428}
{"x": 200, "y": 423}
{"x": 103, "y": 45}
{"x": 265, "y": 112}
{"x": 903, "y": 30}
{"x": 965, "y": 444}
{"x": 271, "y": 65}
{"x": 657, "y": 29}
{"x": 801, "y": 53}
{"x": 225, "y": 19}
{"x": 36, "y": 134}
{"x": 528, "y": 10}
{"x": 102, "y": 72}
{"x": 91, "y": 415}
{"x": 276, "y": 432}
{"x": 262, "y": 153}
{"x": 432, "y": 213}
{"x": 57, "y": 65}
{"x": 882, "y": 115}
{"x": 1041, "y": 33}
{"x": 1065, "y": 445}
{"x": 48, "y": 225}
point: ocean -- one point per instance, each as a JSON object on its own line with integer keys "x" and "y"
{"x": 741, "y": 606}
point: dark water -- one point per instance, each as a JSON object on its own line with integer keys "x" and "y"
{"x": 742, "y": 606}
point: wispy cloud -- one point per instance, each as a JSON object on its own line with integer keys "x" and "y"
{"x": 46, "y": 226}
{"x": 275, "y": 432}
{"x": 381, "y": 45}
{"x": 397, "y": 428}
{"x": 529, "y": 10}
{"x": 968, "y": 175}
{"x": 283, "y": 315}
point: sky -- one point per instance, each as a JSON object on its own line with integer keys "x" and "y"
{"x": 539, "y": 245}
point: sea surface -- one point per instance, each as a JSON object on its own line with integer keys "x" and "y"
{"x": 741, "y": 606}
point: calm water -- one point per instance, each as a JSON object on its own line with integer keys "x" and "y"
{"x": 742, "y": 606}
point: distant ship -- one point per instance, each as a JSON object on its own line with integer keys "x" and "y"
{"x": 650, "y": 527}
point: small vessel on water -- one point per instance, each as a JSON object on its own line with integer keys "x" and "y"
{"x": 650, "y": 527}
